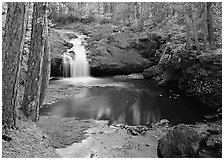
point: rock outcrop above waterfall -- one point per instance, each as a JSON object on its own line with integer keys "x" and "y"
{"x": 112, "y": 49}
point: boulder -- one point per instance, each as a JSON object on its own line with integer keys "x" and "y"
{"x": 115, "y": 53}
{"x": 214, "y": 141}
{"x": 152, "y": 71}
{"x": 200, "y": 140}
{"x": 182, "y": 141}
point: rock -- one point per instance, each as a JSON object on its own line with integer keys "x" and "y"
{"x": 164, "y": 121}
{"x": 152, "y": 71}
{"x": 108, "y": 52}
{"x": 56, "y": 67}
{"x": 214, "y": 141}
{"x": 203, "y": 79}
{"x": 147, "y": 44}
{"x": 115, "y": 53}
{"x": 182, "y": 141}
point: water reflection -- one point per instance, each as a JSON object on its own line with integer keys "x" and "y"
{"x": 135, "y": 102}
{"x": 107, "y": 103}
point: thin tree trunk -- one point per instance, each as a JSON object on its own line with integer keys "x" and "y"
{"x": 205, "y": 29}
{"x": 210, "y": 24}
{"x": 12, "y": 45}
{"x": 187, "y": 25}
{"x": 46, "y": 60}
{"x": 195, "y": 31}
{"x": 105, "y": 9}
{"x": 31, "y": 97}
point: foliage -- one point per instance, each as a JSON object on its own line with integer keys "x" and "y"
{"x": 166, "y": 19}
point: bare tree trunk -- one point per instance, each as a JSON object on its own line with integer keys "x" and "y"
{"x": 194, "y": 30}
{"x": 12, "y": 45}
{"x": 187, "y": 25}
{"x": 137, "y": 10}
{"x": 105, "y": 9}
{"x": 210, "y": 24}
{"x": 46, "y": 60}
{"x": 31, "y": 97}
{"x": 205, "y": 29}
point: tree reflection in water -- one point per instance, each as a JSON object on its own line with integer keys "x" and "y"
{"x": 109, "y": 103}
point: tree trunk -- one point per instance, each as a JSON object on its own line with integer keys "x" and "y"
{"x": 190, "y": 15}
{"x": 210, "y": 24}
{"x": 187, "y": 25}
{"x": 195, "y": 31}
{"x": 31, "y": 97}
{"x": 12, "y": 45}
{"x": 137, "y": 10}
{"x": 105, "y": 9}
{"x": 46, "y": 60}
{"x": 205, "y": 29}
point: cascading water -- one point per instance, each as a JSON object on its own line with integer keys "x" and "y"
{"x": 67, "y": 63}
{"x": 78, "y": 66}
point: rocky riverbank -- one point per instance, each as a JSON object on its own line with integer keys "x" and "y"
{"x": 199, "y": 76}
{"x": 113, "y": 50}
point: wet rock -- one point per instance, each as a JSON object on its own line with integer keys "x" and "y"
{"x": 182, "y": 141}
{"x": 152, "y": 71}
{"x": 56, "y": 67}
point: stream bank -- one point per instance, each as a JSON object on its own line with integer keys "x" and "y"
{"x": 106, "y": 44}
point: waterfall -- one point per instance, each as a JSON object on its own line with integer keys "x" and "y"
{"x": 75, "y": 63}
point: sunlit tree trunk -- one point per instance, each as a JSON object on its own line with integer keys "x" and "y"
{"x": 205, "y": 29}
{"x": 187, "y": 26}
{"x": 193, "y": 24}
{"x": 194, "y": 30}
{"x": 46, "y": 60}
{"x": 32, "y": 90}
{"x": 12, "y": 45}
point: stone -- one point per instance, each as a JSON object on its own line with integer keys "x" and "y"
{"x": 152, "y": 71}
{"x": 214, "y": 141}
{"x": 182, "y": 141}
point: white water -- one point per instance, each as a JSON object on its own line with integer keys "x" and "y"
{"x": 75, "y": 61}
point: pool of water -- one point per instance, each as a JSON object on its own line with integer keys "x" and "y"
{"x": 133, "y": 101}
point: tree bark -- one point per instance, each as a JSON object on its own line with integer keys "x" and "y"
{"x": 210, "y": 24}
{"x": 32, "y": 90}
{"x": 46, "y": 60}
{"x": 195, "y": 31}
{"x": 187, "y": 25}
{"x": 205, "y": 29}
{"x": 12, "y": 45}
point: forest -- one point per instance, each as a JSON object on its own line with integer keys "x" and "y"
{"x": 111, "y": 79}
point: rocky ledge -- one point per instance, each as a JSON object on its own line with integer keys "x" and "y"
{"x": 199, "y": 76}
{"x": 111, "y": 50}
